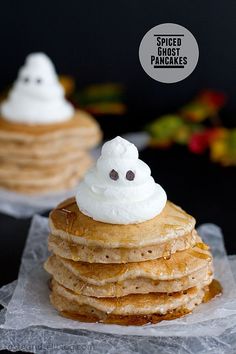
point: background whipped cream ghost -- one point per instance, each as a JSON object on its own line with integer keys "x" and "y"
{"x": 120, "y": 189}
{"x": 37, "y": 97}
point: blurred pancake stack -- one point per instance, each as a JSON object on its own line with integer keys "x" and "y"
{"x": 45, "y": 158}
{"x": 127, "y": 274}
{"x": 44, "y": 143}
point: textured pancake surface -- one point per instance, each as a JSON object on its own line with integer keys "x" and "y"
{"x": 93, "y": 254}
{"x": 59, "y": 157}
{"x": 80, "y": 126}
{"x": 42, "y": 176}
{"x": 134, "y": 304}
{"x": 67, "y": 222}
{"x": 48, "y": 182}
{"x": 178, "y": 265}
{"x": 139, "y": 285}
{"x": 86, "y": 313}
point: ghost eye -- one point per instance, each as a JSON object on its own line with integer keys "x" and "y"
{"x": 26, "y": 79}
{"x": 130, "y": 175}
{"x": 38, "y": 81}
{"x": 114, "y": 175}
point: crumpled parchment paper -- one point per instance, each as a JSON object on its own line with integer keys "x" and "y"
{"x": 24, "y": 206}
{"x": 28, "y": 322}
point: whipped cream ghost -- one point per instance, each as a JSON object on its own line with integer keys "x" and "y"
{"x": 120, "y": 189}
{"x": 37, "y": 97}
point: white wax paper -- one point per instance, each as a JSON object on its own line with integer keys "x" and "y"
{"x": 28, "y": 322}
{"x": 23, "y": 206}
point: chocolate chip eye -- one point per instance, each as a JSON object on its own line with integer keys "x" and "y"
{"x": 114, "y": 175}
{"x": 130, "y": 175}
{"x": 39, "y": 81}
{"x": 26, "y": 79}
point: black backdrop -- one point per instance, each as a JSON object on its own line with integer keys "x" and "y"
{"x": 98, "y": 41}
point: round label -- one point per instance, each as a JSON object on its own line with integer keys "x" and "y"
{"x": 168, "y": 53}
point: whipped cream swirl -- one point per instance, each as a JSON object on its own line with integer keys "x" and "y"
{"x": 120, "y": 189}
{"x": 37, "y": 97}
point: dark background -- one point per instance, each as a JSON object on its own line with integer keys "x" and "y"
{"x": 98, "y": 41}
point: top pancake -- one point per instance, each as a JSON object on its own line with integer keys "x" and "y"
{"x": 81, "y": 124}
{"x": 67, "y": 222}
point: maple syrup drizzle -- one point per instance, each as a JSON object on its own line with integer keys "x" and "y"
{"x": 214, "y": 289}
{"x": 168, "y": 257}
{"x": 131, "y": 320}
{"x": 74, "y": 252}
{"x": 70, "y": 215}
{"x": 202, "y": 246}
{"x": 200, "y": 255}
{"x": 70, "y": 219}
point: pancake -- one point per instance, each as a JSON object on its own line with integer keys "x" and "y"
{"x": 178, "y": 265}
{"x": 70, "y": 224}
{"x": 81, "y": 126}
{"x": 134, "y": 304}
{"x": 33, "y": 190}
{"x": 63, "y": 145}
{"x": 37, "y": 149}
{"x": 50, "y": 159}
{"x": 86, "y": 313}
{"x": 53, "y": 175}
{"x": 91, "y": 254}
{"x": 33, "y": 173}
{"x": 46, "y": 189}
{"x": 139, "y": 285}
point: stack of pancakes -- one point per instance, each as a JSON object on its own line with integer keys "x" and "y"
{"x": 127, "y": 274}
{"x": 45, "y": 158}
